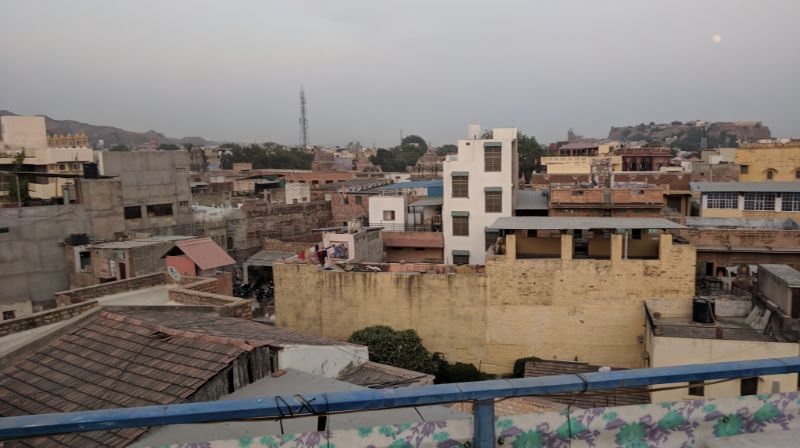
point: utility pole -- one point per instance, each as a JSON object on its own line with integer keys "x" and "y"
{"x": 303, "y": 120}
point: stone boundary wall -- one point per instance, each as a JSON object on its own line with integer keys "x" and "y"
{"x": 44, "y": 318}
{"x": 65, "y": 298}
{"x": 203, "y": 292}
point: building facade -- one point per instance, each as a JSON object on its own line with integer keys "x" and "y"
{"x": 480, "y": 184}
{"x": 769, "y": 162}
{"x": 763, "y": 200}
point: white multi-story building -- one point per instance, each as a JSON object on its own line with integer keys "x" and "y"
{"x": 480, "y": 184}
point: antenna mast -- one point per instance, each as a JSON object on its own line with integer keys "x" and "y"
{"x": 303, "y": 120}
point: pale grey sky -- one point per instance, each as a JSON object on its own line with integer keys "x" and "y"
{"x": 231, "y": 70}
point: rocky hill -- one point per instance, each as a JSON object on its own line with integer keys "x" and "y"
{"x": 110, "y": 135}
{"x": 687, "y": 135}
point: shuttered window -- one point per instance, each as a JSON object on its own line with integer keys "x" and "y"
{"x": 460, "y": 225}
{"x": 492, "y": 158}
{"x": 460, "y": 186}
{"x": 494, "y": 201}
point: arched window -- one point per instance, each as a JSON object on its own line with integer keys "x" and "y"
{"x": 797, "y": 174}
{"x": 770, "y": 174}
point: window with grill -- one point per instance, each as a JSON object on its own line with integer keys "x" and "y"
{"x": 791, "y": 202}
{"x": 759, "y": 201}
{"x": 723, "y": 200}
{"x": 744, "y": 169}
{"x": 770, "y": 174}
{"x": 460, "y": 259}
{"x": 491, "y": 159}
{"x": 494, "y": 201}
{"x": 460, "y": 186}
{"x": 460, "y": 225}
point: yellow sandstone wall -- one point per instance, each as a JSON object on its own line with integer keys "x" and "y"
{"x": 785, "y": 160}
{"x": 551, "y": 308}
{"x": 585, "y": 309}
{"x": 670, "y": 351}
{"x": 448, "y": 311}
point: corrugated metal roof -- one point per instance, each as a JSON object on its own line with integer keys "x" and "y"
{"x": 428, "y": 201}
{"x": 600, "y": 398}
{"x": 557, "y": 223}
{"x": 139, "y": 242}
{"x": 746, "y": 187}
{"x": 531, "y": 200}
{"x": 742, "y": 223}
{"x": 785, "y": 272}
{"x": 380, "y": 376}
{"x": 267, "y": 257}
{"x": 413, "y": 184}
{"x": 205, "y": 253}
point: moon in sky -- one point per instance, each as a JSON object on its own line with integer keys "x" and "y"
{"x": 716, "y": 39}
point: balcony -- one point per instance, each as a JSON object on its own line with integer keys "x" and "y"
{"x": 763, "y": 418}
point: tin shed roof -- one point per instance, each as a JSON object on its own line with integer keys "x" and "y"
{"x": 205, "y": 253}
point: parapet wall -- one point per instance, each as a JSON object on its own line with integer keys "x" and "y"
{"x": 44, "y": 318}
{"x": 79, "y": 295}
{"x": 585, "y": 310}
{"x": 204, "y": 292}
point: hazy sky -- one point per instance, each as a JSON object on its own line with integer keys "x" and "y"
{"x": 231, "y": 70}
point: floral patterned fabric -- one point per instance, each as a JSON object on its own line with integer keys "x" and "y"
{"x": 681, "y": 424}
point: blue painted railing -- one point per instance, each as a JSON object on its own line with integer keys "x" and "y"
{"x": 483, "y": 393}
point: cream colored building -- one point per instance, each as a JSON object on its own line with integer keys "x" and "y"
{"x": 676, "y": 338}
{"x": 575, "y": 295}
{"x": 56, "y": 154}
{"x": 754, "y": 200}
{"x": 779, "y": 162}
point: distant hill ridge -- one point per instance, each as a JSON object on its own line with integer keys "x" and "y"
{"x": 110, "y": 135}
{"x": 720, "y": 133}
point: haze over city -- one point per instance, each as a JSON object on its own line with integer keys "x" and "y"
{"x": 231, "y": 71}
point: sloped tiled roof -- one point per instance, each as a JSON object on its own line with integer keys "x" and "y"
{"x": 591, "y": 399}
{"x": 204, "y": 252}
{"x": 111, "y": 361}
{"x": 130, "y": 358}
{"x": 254, "y": 333}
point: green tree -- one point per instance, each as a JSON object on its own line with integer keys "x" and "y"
{"x": 529, "y": 151}
{"x": 399, "y": 158}
{"x": 168, "y": 147}
{"x": 119, "y": 147}
{"x": 402, "y": 349}
{"x": 446, "y": 149}
{"x": 18, "y": 185}
{"x": 268, "y": 155}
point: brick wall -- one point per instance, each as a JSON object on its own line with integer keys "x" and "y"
{"x": 287, "y": 222}
{"x": 79, "y": 295}
{"x": 44, "y": 318}
{"x": 723, "y": 172}
{"x": 345, "y": 207}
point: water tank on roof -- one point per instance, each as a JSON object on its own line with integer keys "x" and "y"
{"x": 703, "y": 311}
{"x": 90, "y": 170}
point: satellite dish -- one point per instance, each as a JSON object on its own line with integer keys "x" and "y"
{"x": 174, "y": 273}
